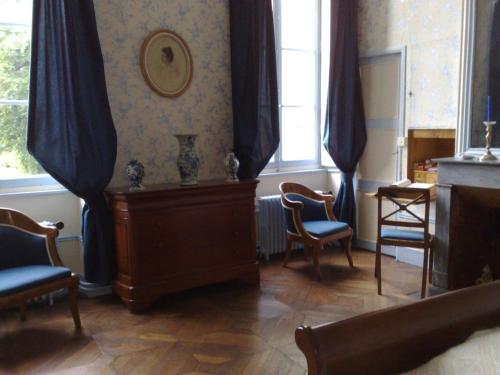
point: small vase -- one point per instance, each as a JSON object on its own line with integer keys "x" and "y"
{"x": 232, "y": 164}
{"x": 188, "y": 161}
{"x": 135, "y": 173}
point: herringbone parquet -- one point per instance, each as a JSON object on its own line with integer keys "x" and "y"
{"x": 223, "y": 329}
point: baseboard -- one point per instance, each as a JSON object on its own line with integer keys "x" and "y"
{"x": 402, "y": 254}
{"x": 370, "y": 245}
{"x": 410, "y": 256}
{"x": 91, "y": 290}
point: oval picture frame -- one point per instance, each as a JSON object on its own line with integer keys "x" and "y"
{"x": 166, "y": 63}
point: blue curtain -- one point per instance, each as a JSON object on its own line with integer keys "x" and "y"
{"x": 70, "y": 128}
{"x": 345, "y": 129}
{"x": 494, "y": 72}
{"x": 254, "y": 85}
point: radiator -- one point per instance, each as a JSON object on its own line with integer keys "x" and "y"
{"x": 271, "y": 227}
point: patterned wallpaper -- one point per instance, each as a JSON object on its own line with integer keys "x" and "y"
{"x": 146, "y": 122}
{"x": 431, "y": 31}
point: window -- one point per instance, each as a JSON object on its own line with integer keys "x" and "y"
{"x": 298, "y": 40}
{"x": 15, "y": 35}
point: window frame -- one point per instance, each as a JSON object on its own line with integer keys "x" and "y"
{"x": 279, "y": 164}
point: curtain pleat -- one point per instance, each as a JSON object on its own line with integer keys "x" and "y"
{"x": 70, "y": 128}
{"x": 345, "y": 129}
{"x": 254, "y": 85}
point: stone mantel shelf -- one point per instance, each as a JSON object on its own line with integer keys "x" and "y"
{"x": 455, "y": 171}
{"x": 493, "y": 163}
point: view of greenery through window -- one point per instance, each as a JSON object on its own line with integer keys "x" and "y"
{"x": 15, "y": 35}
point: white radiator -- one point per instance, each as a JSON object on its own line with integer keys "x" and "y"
{"x": 271, "y": 226}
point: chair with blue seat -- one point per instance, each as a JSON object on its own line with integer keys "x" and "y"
{"x": 405, "y": 200}
{"x": 310, "y": 220}
{"x": 29, "y": 263}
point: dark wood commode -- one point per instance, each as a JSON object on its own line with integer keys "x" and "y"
{"x": 171, "y": 238}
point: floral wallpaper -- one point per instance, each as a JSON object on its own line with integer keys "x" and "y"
{"x": 431, "y": 32}
{"x": 146, "y": 122}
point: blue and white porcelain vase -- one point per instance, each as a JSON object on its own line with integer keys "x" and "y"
{"x": 135, "y": 173}
{"x": 232, "y": 164}
{"x": 188, "y": 161}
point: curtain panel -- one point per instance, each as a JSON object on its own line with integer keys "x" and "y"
{"x": 494, "y": 71}
{"x": 70, "y": 128}
{"x": 345, "y": 129}
{"x": 254, "y": 85}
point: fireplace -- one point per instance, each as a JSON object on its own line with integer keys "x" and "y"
{"x": 474, "y": 235}
{"x": 467, "y": 248}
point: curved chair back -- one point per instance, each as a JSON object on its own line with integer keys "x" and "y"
{"x": 24, "y": 242}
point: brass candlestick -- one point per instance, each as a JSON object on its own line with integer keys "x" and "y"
{"x": 489, "y": 136}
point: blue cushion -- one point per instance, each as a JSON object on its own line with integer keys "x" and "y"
{"x": 312, "y": 210}
{"x": 17, "y": 279}
{"x": 19, "y": 248}
{"x": 323, "y": 228}
{"x": 398, "y": 234}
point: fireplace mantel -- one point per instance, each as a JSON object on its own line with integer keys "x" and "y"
{"x": 468, "y": 193}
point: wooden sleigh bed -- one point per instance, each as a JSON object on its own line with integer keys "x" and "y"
{"x": 398, "y": 339}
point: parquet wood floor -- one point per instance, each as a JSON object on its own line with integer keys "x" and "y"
{"x": 229, "y": 328}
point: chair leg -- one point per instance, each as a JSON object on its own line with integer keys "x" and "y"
{"x": 378, "y": 267}
{"x": 288, "y": 251}
{"x": 431, "y": 261}
{"x": 22, "y": 311}
{"x": 315, "y": 255}
{"x": 73, "y": 304}
{"x": 347, "y": 242}
{"x": 424, "y": 272}
{"x": 307, "y": 252}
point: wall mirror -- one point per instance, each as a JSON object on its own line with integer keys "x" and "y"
{"x": 480, "y": 74}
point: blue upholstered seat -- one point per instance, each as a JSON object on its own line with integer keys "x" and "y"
{"x": 399, "y": 234}
{"x": 17, "y": 279}
{"x": 323, "y": 228}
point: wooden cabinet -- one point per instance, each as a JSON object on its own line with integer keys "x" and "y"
{"x": 427, "y": 144}
{"x": 170, "y": 238}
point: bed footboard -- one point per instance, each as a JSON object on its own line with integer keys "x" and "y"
{"x": 398, "y": 339}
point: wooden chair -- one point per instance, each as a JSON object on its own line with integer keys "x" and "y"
{"x": 310, "y": 220}
{"x": 405, "y": 200}
{"x": 29, "y": 263}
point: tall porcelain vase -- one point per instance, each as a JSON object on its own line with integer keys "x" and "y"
{"x": 188, "y": 161}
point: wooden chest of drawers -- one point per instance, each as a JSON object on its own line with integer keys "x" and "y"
{"x": 170, "y": 238}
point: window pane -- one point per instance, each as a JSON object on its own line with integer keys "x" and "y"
{"x": 14, "y": 63}
{"x": 298, "y": 24}
{"x": 298, "y": 78}
{"x": 299, "y": 130}
{"x": 16, "y": 12}
{"x": 15, "y": 161}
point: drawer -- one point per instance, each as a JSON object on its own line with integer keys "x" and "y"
{"x": 419, "y": 176}
{"x": 424, "y": 176}
{"x": 177, "y": 240}
{"x": 431, "y": 178}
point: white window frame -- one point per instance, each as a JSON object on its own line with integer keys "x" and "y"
{"x": 278, "y": 164}
{"x": 28, "y": 181}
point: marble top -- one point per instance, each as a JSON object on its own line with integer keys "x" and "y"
{"x": 457, "y": 160}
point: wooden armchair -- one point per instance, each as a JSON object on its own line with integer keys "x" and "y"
{"x": 29, "y": 263}
{"x": 310, "y": 220}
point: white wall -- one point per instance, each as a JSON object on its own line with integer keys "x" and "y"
{"x": 316, "y": 180}
{"x": 431, "y": 33}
